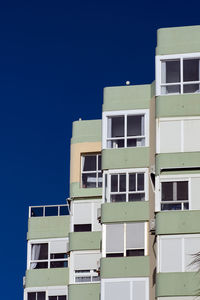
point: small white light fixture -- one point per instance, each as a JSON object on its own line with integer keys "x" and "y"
{"x": 128, "y": 82}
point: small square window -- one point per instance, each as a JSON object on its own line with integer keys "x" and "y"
{"x": 91, "y": 174}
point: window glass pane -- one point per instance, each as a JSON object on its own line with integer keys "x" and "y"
{"x": 58, "y": 255}
{"x": 62, "y": 298}
{"x": 99, "y": 162}
{"x": 167, "y": 191}
{"x": 132, "y": 182}
{"x": 89, "y": 180}
{"x": 99, "y": 180}
{"x": 171, "y": 206}
{"x": 58, "y": 264}
{"x": 31, "y": 296}
{"x": 140, "y": 182}
{"x": 53, "y": 298}
{"x": 172, "y": 89}
{"x": 135, "y": 126}
{"x": 182, "y": 190}
{"x": 51, "y": 211}
{"x": 36, "y": 211}
{"x": 191, "y": 88}
{"x": 114, "y": 183}
{"x": 82, "y": 227}
{"x": 122, "y": 181}
{"x": 64, "y": 210}
{"x": 39, "y": 265}
{"x": 172, "y": 71}
{"x": 136, "y": 197}
{"x": 117, "y": 127}
{"x": 41, "y": 296}
{"x": 191, "y": 70}
{"x": 133, "y": 252}
{"x": 118, "y": 198}
{"x": 39, "y": 251}
{"x": 89, "y": 163}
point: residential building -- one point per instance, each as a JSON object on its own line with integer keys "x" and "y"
{"x": 131, "y": 225}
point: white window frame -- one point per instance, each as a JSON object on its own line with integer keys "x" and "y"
{"x": 90, "y": 274}
{"x": 182, "y": 237}
{"x": 73, "y": 274}
{"x": 181, "y": 57}
{"x": 48, "y": 260}
{"x": 96, "y": 172}
{"x": 171, "y": 178}
{"x": 107, "y": 176}
{"x": 131, "y": 280}
{"x": 95, "y": 223}
{"x": 49, "y": 291}
{"x": 125, "y": 113}
{"x": 124, "y": 248}
{"x": 181, "y": 120}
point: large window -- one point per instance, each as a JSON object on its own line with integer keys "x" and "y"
{"x": 91, "y": 175}
{"x": 46, "y": 293}
{"x": 49, "y": 254}
{"x": 125, "y": 129}
{"x": 42, "y": 296}
{"x": 125, "y": 239}
{"x": 176, "y": 253}
{"x": 125, "y": 185}
{"x": 125, "y": 288}
{"x": 174, "y": 195}
{"x": 178, "y": 74}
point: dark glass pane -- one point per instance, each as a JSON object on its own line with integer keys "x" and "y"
{"x": 114, "y": 183}
{"x": 134, "y": 125}
{"x": 118, "y": 198}
{"x": 191, "y": 70}
{"x": 171, "y": 206}
{"x": 135, "y": 252}
{"x": 186, "y": 205}
{"x": 83, "y": 279}
{"x": 140, "y": 182}
{"x": 82, "y": 227}
{"x": 89, "y": 163}
{"x": 64, "y": 210}
{"x": 122, "y": 182}
{"x": 167, "y": 191}
{"x": 182, "y": 190}
{"x": 58, "y": 255}
{"x": 172, "y": 89}
{"x": 132, "y": 182}
{"x": 95, "y": 278}
{"x": 62, "y": 298}
{"x": 131, "y": 142}
{"x": 53, "y": 298}
{"x": 51, "y": 211}
{"x": 31, "y": 296}
{"x": 39, "y": 251}
{"x": 191, "y": 88}
{"x": 99, "y": 180}
{"x": 136, "y": 197}
{"x": 89, "y": 180}
{"x": 36, "y": 211}
{"x": 117, "y": 144}
{"x": 59, "y": 264}
{"x": 41, "y": 296}
{"x": 39, "y": 265}
{"x": 173, "y": 71}
{"x": 114, "y": 254}
{"x": 117, "y": 126}
{"x": 99, "y": 162}
{"x": 43, "y": 251}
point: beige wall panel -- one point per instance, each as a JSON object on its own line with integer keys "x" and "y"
{"x": 75, "y": 161}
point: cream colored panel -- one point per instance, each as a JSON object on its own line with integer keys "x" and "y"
{"x": 195, "y": 192}
{"x": 75, "y": 161}
{"x": 170, "y": 136}
{"x": 82, "y": 213}
{"x": 86, "y": 261}
{"x": 191, "y": 135}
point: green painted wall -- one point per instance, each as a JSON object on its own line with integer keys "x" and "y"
{"x": 48, "y": 227}
{"x": 122, "y": 267}
{"x": 122, "y": 158}
{"x": 178, "y": 40}
{"x": 85, "y": 240}
{"x": 84, "y": 291}
{"x": 177, "y": 284}
{"x": 128, "y": 211}
{"x": 178, "y": 105}
{"x": 177, "y": 160}
{"x": 127, "y": 97}
{"x": 47, "y": 277}
{"x": 77, "y": 191}
{"x": 178, "y": 222}
{"x": 86, "y": 131}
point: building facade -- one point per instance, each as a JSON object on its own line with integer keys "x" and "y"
{"x": 131, "y": 225}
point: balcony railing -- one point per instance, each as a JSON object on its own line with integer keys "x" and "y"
{"x": 48, "y": 211}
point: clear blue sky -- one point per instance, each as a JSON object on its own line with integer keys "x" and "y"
{"x": 55, "y": 59}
